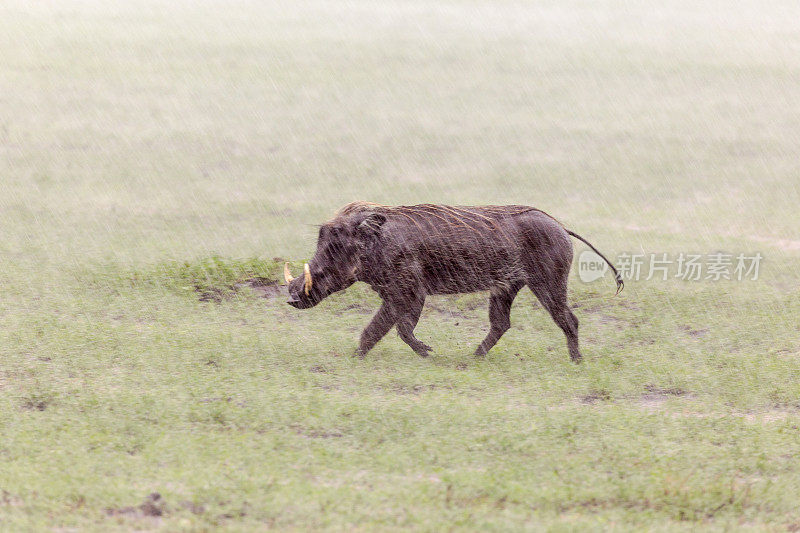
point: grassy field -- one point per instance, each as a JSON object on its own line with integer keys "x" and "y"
{"x": 154, "y": 156}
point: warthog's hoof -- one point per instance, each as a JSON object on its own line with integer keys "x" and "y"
{"x": 423, "y": 350}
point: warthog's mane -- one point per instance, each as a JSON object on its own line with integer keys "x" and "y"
{"x": 471, "y": 217}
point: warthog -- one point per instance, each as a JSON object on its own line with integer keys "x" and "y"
{"x": 406, "y": 253}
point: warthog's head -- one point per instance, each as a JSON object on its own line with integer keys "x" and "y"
{"x": 335, "y": 265}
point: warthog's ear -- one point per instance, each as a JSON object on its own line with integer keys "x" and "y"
{"x": 371, "y": 224}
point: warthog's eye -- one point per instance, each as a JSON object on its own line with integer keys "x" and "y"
{"x": 331, "y": 233}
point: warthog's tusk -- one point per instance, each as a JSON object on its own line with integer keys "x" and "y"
{"x": 309, "y": 281}
{"x": 286, "y": 274}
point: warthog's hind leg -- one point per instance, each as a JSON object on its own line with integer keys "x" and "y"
{"x": 554, "y": 299}
{"x": 499, "y": 315}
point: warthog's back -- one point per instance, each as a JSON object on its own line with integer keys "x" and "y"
{"x": 457, "y": 249}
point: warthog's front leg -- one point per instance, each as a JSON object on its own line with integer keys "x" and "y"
{"x": 408, "y": 321}
{"x": 381, "y": 323}
{"x": 403, "y": 311}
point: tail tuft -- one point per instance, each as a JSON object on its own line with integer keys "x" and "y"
{"x": 617, "y": 277}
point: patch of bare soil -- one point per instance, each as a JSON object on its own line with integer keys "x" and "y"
{"x": 211, "y": 295}
{"x": 694, "y": 332}
{"x": 153, "y": 506}
{"x": 36, "y": 404}
{"x": 595, "y": 396}
{"x": 671, "y": 391}
{"x": 655, "y": 397}
{"x": 263, "y": 287}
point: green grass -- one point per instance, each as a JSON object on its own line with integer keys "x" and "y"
{"x": 156, "y": 159}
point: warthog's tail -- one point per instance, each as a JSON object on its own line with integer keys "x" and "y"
{"x": 620, "y": 284}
